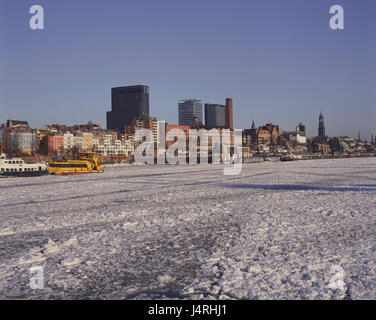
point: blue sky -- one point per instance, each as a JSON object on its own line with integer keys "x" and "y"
{"x": 278, "y": 60}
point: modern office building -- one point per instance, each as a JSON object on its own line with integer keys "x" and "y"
{"x": 215, "y": 115}
{"x": 128, "y": 103}
{"x": 188, "y": 110}
{"x": 229, "y": 121}
{"x": 219, "y": 115}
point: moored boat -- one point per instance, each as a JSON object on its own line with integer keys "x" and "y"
{"x": 86, "y": 163}
{"x": 16, "y": 167}
{"x": 289, "y": 156}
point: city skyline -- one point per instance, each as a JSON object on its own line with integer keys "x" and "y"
{"x": 279, "y": 62}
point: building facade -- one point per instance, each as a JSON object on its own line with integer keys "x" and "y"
{"x": 55, "y": 144}
{"x": 108, "y": 146}
{"x": 17, "y": 124}
{"x": 229, "y": 120}
{"x": 215, "y": 115}
{"x": 128, "y": 103}
{"x": 137, "y": 125}
{"x": 19, "y": 141}
{"x": 219, "y": 115}
{"x": 68, "y": 141}
{"x": 169, "y": 127}
{"x": 188, "y": 110}
{"x": 297, "y": 137}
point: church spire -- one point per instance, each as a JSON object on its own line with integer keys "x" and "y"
{"x": 321, "y": 126}
{"x": 253, "y": 124}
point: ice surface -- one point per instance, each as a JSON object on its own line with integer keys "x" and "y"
{"x": 189, "y": 232}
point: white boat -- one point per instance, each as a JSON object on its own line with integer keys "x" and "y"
{"x": 16, "y": 167}
{"x": 289, "y": 156}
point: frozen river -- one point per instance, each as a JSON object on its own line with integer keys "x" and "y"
{"x": 189, "y": 232}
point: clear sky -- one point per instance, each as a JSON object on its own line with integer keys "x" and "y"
{"x": 278, "y": 60}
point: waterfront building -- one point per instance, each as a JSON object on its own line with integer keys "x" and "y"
{"x": 229, "y": 118}
{"x": 298, "y": 136}
{"x": 344, "y": 144}
{"x": 19, "y": 141}
{"x": 42, "y": 141}
{"x": 169, "y": 127}
{"x": 18, "y": 138}
{"x": 87, "y": 141}
{"x": 55, "y": 144}
{"x": 323, "y": 148}
{"x": 266, "y": 135}
{"x": 128, "y": 103}
{"x": 56, "y": 128}
{"x": 301, "y": 129}
{"x": 68, "y": 141}
{"x": 108, "y": 146}
{"x": 137, "y": 125}
{"x": 189, "y": 110}
{"x": 89, "y": 127}
{"x": 215, "y": 115}
{"x": 219, "y": 115}
{"x": 17, "y": 124}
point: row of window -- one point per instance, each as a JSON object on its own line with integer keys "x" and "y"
{"x": 60, "y": 165}
{"x": 13, "y": 162}
{"x": 17, "y": 170}
{"x": 109, "y": 153}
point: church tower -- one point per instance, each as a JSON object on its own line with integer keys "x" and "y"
{"x": 321, "y": 126}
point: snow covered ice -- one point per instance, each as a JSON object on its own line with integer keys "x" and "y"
{"x": 189, "y": 232}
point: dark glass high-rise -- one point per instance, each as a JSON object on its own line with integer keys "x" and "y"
{"x": 128, "y": 103}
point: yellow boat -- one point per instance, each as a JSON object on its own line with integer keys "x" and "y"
{"x": 87, "y": 163}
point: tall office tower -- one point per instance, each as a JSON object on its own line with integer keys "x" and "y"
{"x": 321, "y": 126}
{"x": 219, "y": 115}
{"x": 188, "y": 110}
{"x": 229, "y": 121}
{"x": 215, "y": 115}
{"x": 128, "y": 103}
